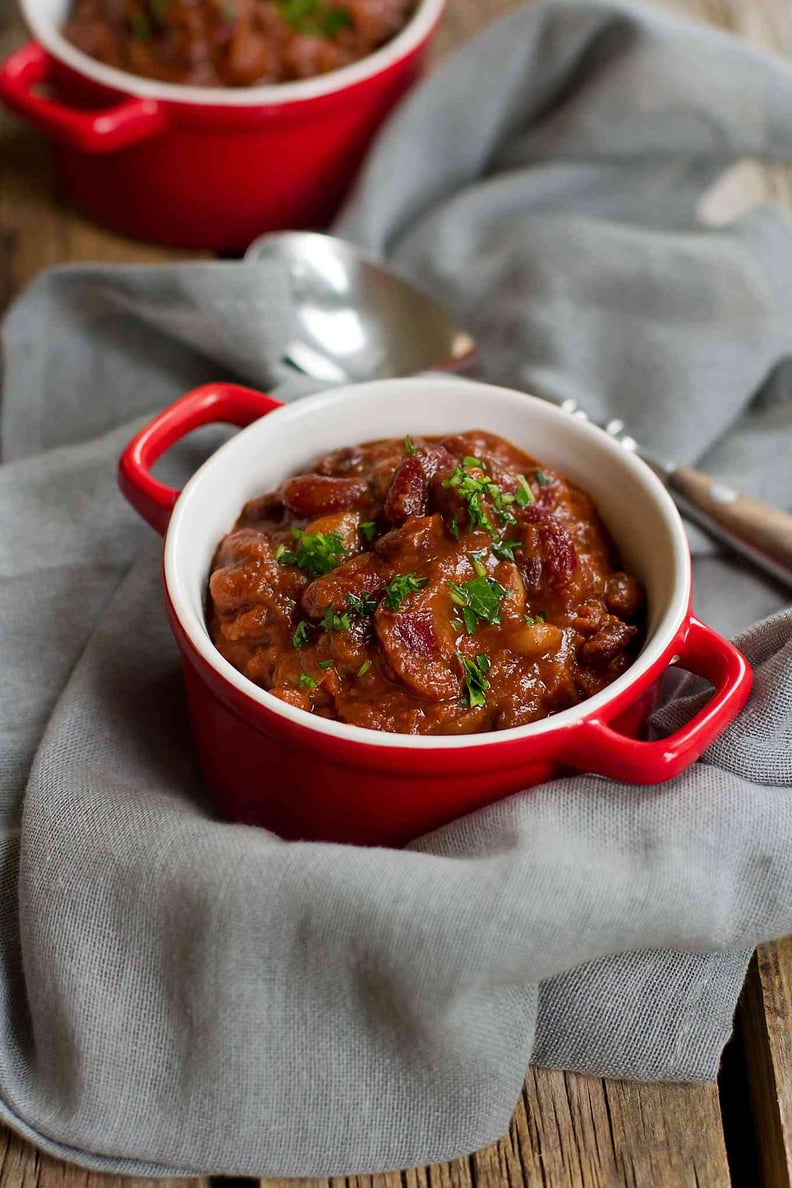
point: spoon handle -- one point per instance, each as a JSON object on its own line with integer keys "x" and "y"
{"x": 757, "y": 530}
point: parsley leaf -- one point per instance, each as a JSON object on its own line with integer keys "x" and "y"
{"x": 365, "y": 666}
{"x": 474, "y": 676}
{"x": 477, "y": 560}
{"x": 362, "y": 604}
{"x": 399, "y": 587}
{"x": 543, "y": 478}
{"x": 140, "y": 26}
{"x": 307, "y": 682}
{"x": 472, "y": 489}
{"x": 324, "y": 664}
{"x": 409, "y": 446}
{"x": 314, "y": 18}
{"x": 368, "y": 530}
{"x": 334, "y": 622}
{"x": 524, "y": 495}
{"x": 316, "y": 552}
{"x": 300, "y": 637}
{"x": 504, "y": 549}
{"x": 532, "y": 620}
{"x": 479, "y": 601}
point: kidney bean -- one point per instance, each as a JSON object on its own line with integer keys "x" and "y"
{"x": 408, "y": 490}
{"x": 311, "y": 495}
{"x": 548, "y": 551}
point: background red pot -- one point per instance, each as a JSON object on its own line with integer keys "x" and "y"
{"x": 204, "y": 167}
{"x": 269, "y": 763}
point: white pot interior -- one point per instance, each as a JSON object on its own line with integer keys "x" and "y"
{"x": 633, "y": 503}
{"x": 45, "y": 18}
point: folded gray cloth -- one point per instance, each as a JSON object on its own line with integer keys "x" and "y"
{"x": 181, "y": 994}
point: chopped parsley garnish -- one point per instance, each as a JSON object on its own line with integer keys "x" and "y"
{"x": 471, "y": 463}
{"x": 140, "y": 26}
{"x": 472, "y": 491}
{"x": 159, "y": 10}
{"x": 477, "y": 560}
{"x": 532, "y": 620}
{"x": 365, "y": 666}
{"x": 399, "y": 587}
{"x": 313, "y": 17}
{"x": 409, "y": 446}
{"x": 335, "y": 20}
{"x": 479, "y": 601}
{"x": 504, "y": 549}
{"x": 453, "y": 527}
{"x": 368, "y": 530}
{"x": 524, "y": 495}
{"x": 474, "y": 676}
{"x": 307, "y": 682}
{"x": 316, "y": 552}
{"x": 362, "y": 604}
{"x": 300, "y": 637}
{"x": 324, "y": 664}
{"x": 543, "y": 478}
{"x": 333, "y": 622}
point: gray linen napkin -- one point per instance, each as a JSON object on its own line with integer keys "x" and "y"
{"x": 181, "y": 994}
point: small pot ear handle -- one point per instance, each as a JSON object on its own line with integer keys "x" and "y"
{"x": 758, "y": 530}
{"x": 595, "y": 746}
{"x": 227, "y": 404}
{"x": 126, "y": 122}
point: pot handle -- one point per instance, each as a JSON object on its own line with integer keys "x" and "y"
{"x": 598, "y": 748}
{"x": 91, "y": 131}
{"x": 213, "y": 403}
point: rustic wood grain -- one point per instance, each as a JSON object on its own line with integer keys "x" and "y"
{"x": 570, "y": 1131}
{"x": 22, "y": 1166}
{"x": 766, "y": 1027}
{"x": 567, "y": 1130}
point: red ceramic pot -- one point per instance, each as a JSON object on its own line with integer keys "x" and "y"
{"x": 204, "y": 167}
{"x": 271, "y": 764}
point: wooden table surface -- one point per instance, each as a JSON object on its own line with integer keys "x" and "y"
{"x": 567, "y": 1130}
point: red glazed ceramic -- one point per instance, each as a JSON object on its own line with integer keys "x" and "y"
{"x": 271, "y": 764}
{"x": 203, "y": 167}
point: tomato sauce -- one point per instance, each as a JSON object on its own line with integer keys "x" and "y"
{"x": 425, "y": 586}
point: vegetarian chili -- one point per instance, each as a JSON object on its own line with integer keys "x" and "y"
{"x": 425, "y": 586}
{"x": 233, "y": 43}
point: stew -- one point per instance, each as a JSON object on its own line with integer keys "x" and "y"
{"x": 233, "y": 43}
{"x": 425, "y": 586}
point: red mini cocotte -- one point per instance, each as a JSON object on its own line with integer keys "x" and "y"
{"x": 205, "y": 167}
{"x": 271, "y": 764}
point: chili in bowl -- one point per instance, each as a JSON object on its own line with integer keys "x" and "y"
{"x": 302, "y": 767}
{"x": 425, "y": 585}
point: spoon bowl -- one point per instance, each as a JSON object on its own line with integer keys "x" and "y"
{"x": 354, "y": 319}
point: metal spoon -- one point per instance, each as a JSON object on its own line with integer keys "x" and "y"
{"x": 354, "y": 319}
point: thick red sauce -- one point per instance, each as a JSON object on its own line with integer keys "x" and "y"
{"x": 425, "y": 587}
{"x": 233, "y": 43}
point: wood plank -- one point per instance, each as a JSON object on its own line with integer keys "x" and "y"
{"x": 571, "y": 1131}
{"x": 766, "y": 1027}
{"x": 22, "y": 1166}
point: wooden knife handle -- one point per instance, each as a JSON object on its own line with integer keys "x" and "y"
{"x": 757, "y": 529}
